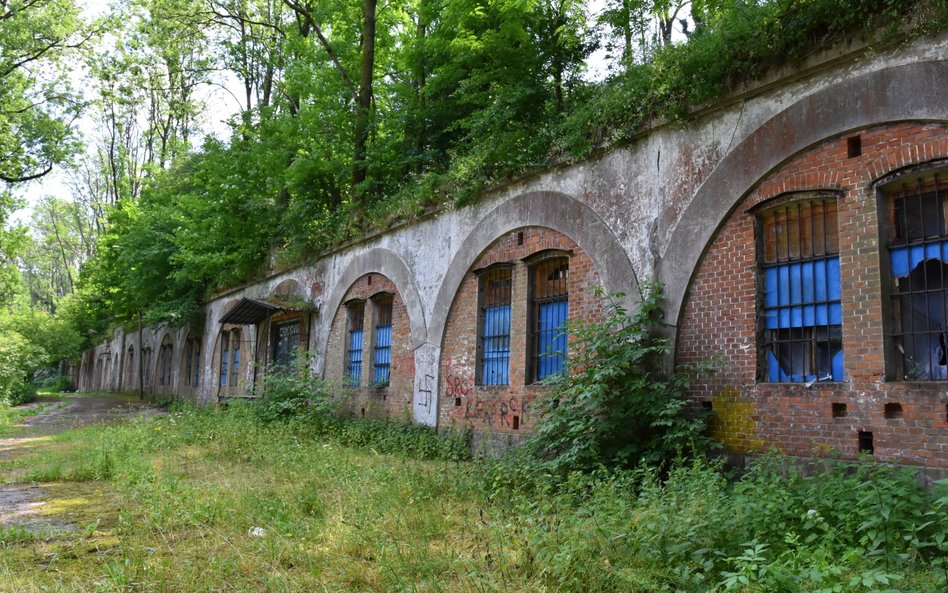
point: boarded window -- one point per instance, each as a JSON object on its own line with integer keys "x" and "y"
{"x": 356, "y": 313}
{"x": 549, "y": 311}
{"x": 918, "y": 250}
{"x": 383, "y": 340}
{"x": 802, "y": 313}
{"x": 494, "y": 327}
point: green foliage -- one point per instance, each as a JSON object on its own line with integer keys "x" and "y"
{"x": 37, "y": 37}
{"x": 615, "y": 405}
{"x": 297, "y": 398}
{"x": 13, "y": 241}
{"x": 294, "y": 392}
{"x": 197, "y": 480}
{"x": 18, "y": 359}
{"x": 734, "y": 43}
{"x": 693, "y": 529}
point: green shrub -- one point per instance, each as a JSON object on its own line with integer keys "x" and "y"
{"x": 615, "y": 405}
{"x": 293, "y": 391}
{"x": 18, "y": 358}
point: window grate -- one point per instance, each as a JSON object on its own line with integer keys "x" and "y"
{"x": 495, "y": 294}
{"x": 801, "y": 302}
{"x": 235, "y": 361}
{"x": 287, "y": 340}
{"x": 354, "y": 357}
{"x": 383, "y": 341}
{"x": 550, "y": 305}
{"x": 918, "y": 250}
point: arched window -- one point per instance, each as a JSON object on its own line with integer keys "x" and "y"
{"x": 130, "y": 368}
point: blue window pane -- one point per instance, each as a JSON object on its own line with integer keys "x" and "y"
{"x": 903, "y": 260}
{"x": 551, "y": 347}
{"x": 796, "y": 295}
{"x": 383, "y": 354}
{"x": 496, "y": 346}
{"x": 802, "y": 313}
{"x": 225, "y": 356}
{"x": 354, "y": 368}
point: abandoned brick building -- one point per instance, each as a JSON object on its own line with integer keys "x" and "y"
{"x": 799, "y": 228}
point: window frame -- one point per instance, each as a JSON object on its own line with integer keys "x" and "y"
{"x": 275, "y": 331}
{"x": 534, "y": 308}
{"x": 225, "y": 360}
{"x": 235, "y": 340}
{"x": 383, "y": 311}
{"x": 810, "y": 337}
{"x": 350, "y": 379}
{"x": 918, "y": 182}
{"x": 484, "y": 276}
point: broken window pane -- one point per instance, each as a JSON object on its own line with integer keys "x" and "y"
{"x": 918, "y": 251}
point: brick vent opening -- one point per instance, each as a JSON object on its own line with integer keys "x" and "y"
{"x": 893, "y": 411}
{"x": 865, "y": 442}
{"x": 854, "y": 146}
{"x": 839, "y": 410}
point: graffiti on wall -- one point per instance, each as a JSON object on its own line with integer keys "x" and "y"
{"x": 507, "y": 411}
{"x": 425, "y": 391}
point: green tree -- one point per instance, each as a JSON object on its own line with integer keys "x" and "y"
{"x": 36, "y": 107}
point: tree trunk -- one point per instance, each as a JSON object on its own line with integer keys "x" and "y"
{"x": 364, "y": 102}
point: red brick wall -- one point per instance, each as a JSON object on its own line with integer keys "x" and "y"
{"x": 393, "y": 401}
{"x": 719, "y": 318}
{"x": 463, "y": 404}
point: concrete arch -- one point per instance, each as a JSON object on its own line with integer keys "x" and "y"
{"x": 386, "y": 262}
{"x": 553, "y": 210}
{"x": 901, "y": 93}
{"x": 289, "y": 287}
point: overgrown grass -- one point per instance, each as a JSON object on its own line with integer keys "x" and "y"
{"x": 10, "y": 416}
{"x": 218, "y": 500}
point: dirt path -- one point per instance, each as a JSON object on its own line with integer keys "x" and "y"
{"x": 22, "y": 504}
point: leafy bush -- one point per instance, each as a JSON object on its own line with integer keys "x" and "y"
{"x": 293, "y": 391}
{"x": 616, "y": 405}
{"x": 18, "y": 358}
{"x": 841, "y": 528}
{"x": 297, "y": 398}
